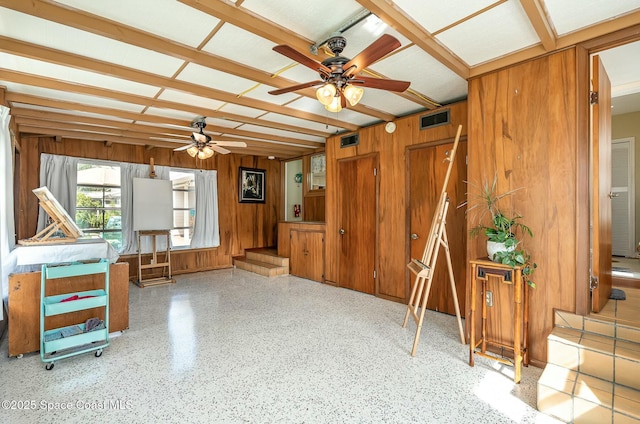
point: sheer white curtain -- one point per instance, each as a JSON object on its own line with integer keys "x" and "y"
{"x": 60, "y": 175}
{"x": 7, "y": 226}
{"x": 205, "y": 229}
{"x": 129, "y": 171}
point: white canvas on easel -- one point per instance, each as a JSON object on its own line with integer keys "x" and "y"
{"x": 153, "y": 217}
{"x": 152, "y": 204}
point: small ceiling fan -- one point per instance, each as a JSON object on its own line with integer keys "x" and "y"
{"x": 338, "y": 79}
{"x": 202, "y": 146}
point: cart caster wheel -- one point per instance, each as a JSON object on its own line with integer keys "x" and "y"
{"x": 19, "y": 356}
{"x": 98, "y": 353}
{"x": 49, "y": 366}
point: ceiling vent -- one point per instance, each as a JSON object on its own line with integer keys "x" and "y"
{"x": 434, "y": 119}
{"x": 349, "y": 140}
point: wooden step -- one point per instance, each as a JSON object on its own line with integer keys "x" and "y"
{"x": 263, "y": 268}
{"x": 267, "y": 255}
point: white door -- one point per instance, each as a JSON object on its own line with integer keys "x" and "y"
{"x": 622, "y": 200}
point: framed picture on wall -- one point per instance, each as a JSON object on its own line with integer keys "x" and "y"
{"x": 251, "y": 185}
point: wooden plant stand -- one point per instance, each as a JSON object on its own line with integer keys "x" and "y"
{"x": 482, "y": 270}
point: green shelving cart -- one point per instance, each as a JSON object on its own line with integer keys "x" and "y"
{"x": 63, "y": 342}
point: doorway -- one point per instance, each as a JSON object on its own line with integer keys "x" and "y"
{"x": 624, "y": 98}
{"x": 357, "y": 214}
{"x": 623, "y": 196}
{"x": 427, "y": 170}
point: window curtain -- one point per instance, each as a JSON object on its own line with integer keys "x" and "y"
{"x": 205, "y": 228}
{"x": 129, "y": 171}
{"x": 60, "y": 175}
{"x": 7, "y": 225}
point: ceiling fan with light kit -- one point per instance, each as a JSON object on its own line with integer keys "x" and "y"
{"x": 202, "y": 146}
{"x": 339, "y": 82}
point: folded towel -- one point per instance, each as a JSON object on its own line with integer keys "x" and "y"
{"x": 93, "y": 324}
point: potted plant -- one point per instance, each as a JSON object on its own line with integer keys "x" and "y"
{"x": 504, "y": 232}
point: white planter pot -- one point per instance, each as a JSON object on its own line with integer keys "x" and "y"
{"x": 493, "y": 247}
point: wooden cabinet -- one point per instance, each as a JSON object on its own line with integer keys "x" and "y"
{"x": 307, "y": 254}
{"x": 303, "y": 244}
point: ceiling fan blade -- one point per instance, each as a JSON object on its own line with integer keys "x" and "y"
{"x": 199, "y": 137}
{"x": 179, "y": 149}
{"x": 295, "y": 87}
{"x": 343, "y": 100}
{"x": 379, "y": 48}
{"x": 285, "y": 50}
{"x": 381, "y": 83}
{"x": 219, "y": 149}
{"x": 231, "y": 143}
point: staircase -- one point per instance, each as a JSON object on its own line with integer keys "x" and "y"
{"x": 592, "y": 373}
{"x": 264, "y": 262}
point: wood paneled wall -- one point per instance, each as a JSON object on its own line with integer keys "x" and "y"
{"x": 242, "y": 225}
{"x": 392, "y": 279}
{"x": 522, "y": 129}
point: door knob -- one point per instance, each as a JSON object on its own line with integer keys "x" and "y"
{"x": 341, "y": 231}
{"x": 612, "y": 195}
{"x": 414, "y": 236}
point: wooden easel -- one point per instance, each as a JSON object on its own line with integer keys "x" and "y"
{"x": 153, "y": 263}
{"x": 424, "y": 268}
{"x": 60, "y": 221}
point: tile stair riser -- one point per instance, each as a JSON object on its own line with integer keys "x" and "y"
{"x": 591, "y": 376}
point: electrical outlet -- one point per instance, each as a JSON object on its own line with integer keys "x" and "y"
{"x": 489, "y": 298}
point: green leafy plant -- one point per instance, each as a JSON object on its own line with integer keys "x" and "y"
{"x": 500, "y": 228}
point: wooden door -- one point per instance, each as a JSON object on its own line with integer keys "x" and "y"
{"x": 427, "y": 170}
{"x": 307, "y": 254}
{"x": 601, "y": 190}
{"x": 357, "y": 222}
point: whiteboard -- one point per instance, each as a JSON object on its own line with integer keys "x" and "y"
{"x": 152, "y": 204}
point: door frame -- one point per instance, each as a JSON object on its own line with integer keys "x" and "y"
{"x": 583, "y": 167}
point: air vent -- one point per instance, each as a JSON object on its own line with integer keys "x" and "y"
{"x": 434, "y": 119}
{"x": 349, "y": 140}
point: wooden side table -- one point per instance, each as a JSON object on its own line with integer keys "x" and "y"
{"x": 482, "y": 270}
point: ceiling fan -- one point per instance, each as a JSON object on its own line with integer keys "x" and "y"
{"x": 203, "y": 146}
{"x": 338, "y": 81}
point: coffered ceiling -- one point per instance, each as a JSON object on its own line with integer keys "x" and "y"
{"x": 139, "y": 71}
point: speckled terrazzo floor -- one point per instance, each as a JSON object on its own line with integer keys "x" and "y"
{"x": 230, "y": 346}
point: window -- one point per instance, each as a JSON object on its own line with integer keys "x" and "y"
{"x": 98, "y": 202}
{"x": 184, "y": 207}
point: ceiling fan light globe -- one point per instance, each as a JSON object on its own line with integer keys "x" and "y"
{"x": 193, "y": 151}
{"x": 335, "y": 105}
{"x": 353, "y": 94}
{"x": 326, "y": 93}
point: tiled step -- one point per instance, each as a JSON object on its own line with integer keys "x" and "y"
{"x": 264, "y": 262}
{"x": 575, "y": 397}
{"x": 592, "y": 372}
